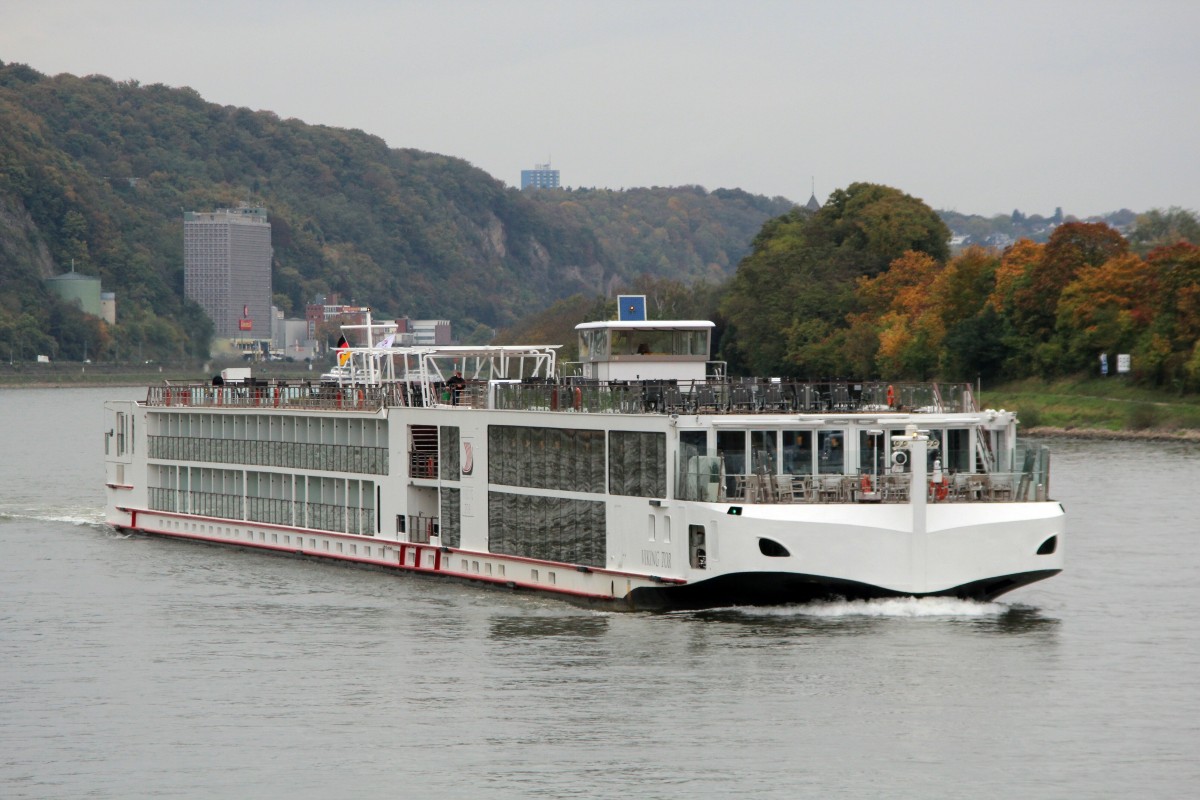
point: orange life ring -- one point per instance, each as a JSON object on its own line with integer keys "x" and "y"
{"x": 891, "y": 397}
{"x": 940, "y": 490}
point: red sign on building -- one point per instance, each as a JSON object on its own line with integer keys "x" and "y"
{"x": 245, "y": 324}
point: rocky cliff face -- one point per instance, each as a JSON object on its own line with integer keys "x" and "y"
{"x": 21, "y": 248}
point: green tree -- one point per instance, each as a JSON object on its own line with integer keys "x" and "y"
{"x": 1105, "y": 309}
{"x": 1159, "y": 228}
{"x": 789, "y": 302}
{"x": 1168, "y": 353}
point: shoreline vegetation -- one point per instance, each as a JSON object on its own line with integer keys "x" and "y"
{"x": 1100, "y": 434}
{"x": 1098, "y": 408}
{"x": 1079, "y": 408}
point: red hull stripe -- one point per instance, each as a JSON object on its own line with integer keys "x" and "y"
{"x": 441, "y": 566}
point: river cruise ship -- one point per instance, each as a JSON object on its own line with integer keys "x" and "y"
{"x": 639, "y": 477}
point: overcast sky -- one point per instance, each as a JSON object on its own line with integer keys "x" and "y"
{"x": 978, "y": 107}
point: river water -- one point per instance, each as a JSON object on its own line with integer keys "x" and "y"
{"x": 132, "y": 667}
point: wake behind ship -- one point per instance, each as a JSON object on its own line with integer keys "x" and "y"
{"x": 639, "y": 478}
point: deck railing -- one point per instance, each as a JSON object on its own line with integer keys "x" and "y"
{"x": 732, "y": 396}
{"x": 888, "y": 488}
{"x": 303, "y": 395}
{"x": 748, "y": 396}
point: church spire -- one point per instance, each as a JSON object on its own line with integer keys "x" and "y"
{"x": 813, "y": 204}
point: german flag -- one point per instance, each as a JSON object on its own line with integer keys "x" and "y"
{"x": 343, "y": 350}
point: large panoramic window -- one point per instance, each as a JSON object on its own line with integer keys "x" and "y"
{"x": 548, "y": 528}
{"x": 564, "y": 459}
{"x": 637, "y": 463}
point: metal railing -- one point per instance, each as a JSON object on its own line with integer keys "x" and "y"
{"x": 731, "y": 396}
{"x": 305, "y": 395}
{"x": 748, "y": 396}
{"x": 420, "y": 528}
{"x": 887, "y": 488}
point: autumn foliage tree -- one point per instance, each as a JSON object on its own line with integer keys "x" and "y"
{"x": 1032, "y": 310}
{"x": 1106, "y": 309}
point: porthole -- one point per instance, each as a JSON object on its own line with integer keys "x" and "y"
{"x": 772, "y": 548}
{"x": 1048, "y": 547}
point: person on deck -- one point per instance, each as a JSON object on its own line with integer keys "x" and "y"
{"x": 456, "y": 384}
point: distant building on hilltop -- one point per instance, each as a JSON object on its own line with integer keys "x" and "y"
{"x": 540, "y": 177}
{"x": 813, "y": 203}
{"x": 227, "y": 269}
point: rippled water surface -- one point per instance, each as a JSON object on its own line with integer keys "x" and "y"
{"x": 133, "y": 667}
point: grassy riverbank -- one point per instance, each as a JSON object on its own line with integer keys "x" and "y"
{"x": 1099, "y": 406}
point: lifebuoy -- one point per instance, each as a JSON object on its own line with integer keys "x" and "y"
{"x": 891, "y": 397}
{"x": 939, "y": 490}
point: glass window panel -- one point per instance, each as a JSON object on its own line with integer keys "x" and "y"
{"x": 831, "y": 452}
{"x": 871, "y": 451}
{"x": 763, "y": 452}
{"x": 797, "y": 452}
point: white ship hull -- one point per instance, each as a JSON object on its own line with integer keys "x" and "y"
{"x": 648, "y": 552}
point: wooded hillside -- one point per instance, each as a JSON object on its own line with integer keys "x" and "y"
{"x": 97, "y": 173}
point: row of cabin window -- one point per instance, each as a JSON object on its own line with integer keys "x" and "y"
{"x": 292, "y": 455}
{"x": 323, "y": 516}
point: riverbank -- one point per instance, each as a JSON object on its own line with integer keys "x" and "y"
{"x": 1095, "y": 408}
{"x": 1099, "y": 434}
